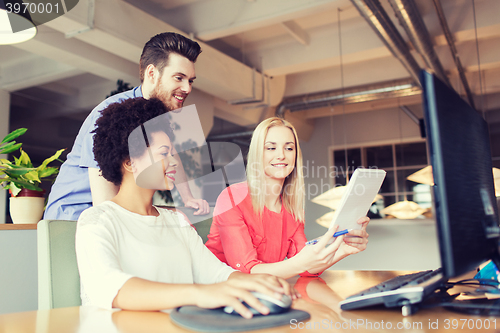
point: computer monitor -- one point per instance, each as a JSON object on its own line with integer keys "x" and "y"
{"x": 464, "y": 196}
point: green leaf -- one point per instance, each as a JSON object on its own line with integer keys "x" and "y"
{"x": 21, "y": 184}
{"x": 10, "y": 147}
{"x": 18, "y": 167}
{"x": 6, "y": 163}
{"x": 50, "y": 159}
{"x": 25, "y": 159}
{"x": 15, "y": 173}
{"x": 20, "y": 173}
{"x": 33, "y": 176}
{"x": 47, "y": 172}
{"x": 14, "y": 134}
{"x": 19, "y": 163}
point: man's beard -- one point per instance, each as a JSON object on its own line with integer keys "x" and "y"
{"x": 163, "y": 96}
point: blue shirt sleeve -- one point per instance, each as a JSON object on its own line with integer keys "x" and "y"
{"x": 70, "y": 194}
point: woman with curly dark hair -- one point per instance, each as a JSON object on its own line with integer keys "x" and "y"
{"x": 133, "y": 255}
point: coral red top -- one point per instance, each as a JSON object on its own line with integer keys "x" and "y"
{"x": 239, "y": 238}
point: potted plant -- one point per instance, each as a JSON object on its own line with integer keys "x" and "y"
{"x": 22, "y": 180}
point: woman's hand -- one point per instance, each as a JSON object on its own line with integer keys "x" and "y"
{"x": 237, "y": 289}
{"x": 316, "y": 258}
{"x": 355, "y": 241}
{"x": 263, "y": 283}
{"x": 212, "y": 296}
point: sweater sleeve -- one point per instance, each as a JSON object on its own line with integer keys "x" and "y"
{"x": 101, "y": 276}
{"x": 206, "y": 267}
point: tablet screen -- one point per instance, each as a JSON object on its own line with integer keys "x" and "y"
{"x": 358, "y": 198}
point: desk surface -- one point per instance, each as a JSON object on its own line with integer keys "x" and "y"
{"x": 10, "y": 226}
{"x": 320, "y": 299}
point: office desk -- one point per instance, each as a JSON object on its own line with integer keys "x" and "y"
{"x": 320, "y": 299}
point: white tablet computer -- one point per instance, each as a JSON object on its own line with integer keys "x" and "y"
{"x": 358, "y": 197}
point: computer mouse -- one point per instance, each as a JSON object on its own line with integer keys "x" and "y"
{"x": 274, "y": 305}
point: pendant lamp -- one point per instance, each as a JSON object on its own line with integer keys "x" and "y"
{"x": 424, "y": 176}
{"x": 404, "y": 210}
{"x": 15, "y": 27}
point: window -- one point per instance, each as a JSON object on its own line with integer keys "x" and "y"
{"x": 398, "y": 160}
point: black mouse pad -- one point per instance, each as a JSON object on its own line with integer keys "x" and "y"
{"x": 216, "y": 320}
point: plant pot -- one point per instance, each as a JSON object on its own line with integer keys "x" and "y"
{"x": 27, "y": 207}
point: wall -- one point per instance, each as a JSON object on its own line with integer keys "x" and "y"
{"x": 409, "y": 245}
{"x": 18, "y": 271}
{"x": 358, "y": 129}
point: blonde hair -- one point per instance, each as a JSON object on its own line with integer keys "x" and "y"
{"x": 293, "y": 196}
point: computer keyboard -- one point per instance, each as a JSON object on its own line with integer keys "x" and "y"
{"x": 399, "y": 291}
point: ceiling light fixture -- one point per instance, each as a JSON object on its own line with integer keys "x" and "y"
{"x": 15, "y": 28}
{"x": 424, "y": 176}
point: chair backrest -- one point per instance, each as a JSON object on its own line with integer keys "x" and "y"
{"x": 203, "y": 229}
{"x": 58, "y": 277}
{"x": 201, "y": 223}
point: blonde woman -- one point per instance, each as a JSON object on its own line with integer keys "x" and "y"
{"x": 259, "y": 223}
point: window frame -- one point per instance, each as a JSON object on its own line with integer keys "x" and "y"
{"x": 399, "y": 191}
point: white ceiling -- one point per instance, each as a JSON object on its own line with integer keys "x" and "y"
{"x": 68, "y": 68}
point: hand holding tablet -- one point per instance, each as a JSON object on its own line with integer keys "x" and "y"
{"x": 356, "y": 201}
{"x": 358, "y": 197}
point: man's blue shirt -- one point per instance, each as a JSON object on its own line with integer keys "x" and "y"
{"x": 70, "y": 194}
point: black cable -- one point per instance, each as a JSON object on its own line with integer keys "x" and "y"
{"x": 480, "y": 282}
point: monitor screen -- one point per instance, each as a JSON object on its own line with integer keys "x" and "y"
{"x": 464, "y": 197}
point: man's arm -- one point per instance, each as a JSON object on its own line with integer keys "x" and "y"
{"x": 101, "y": 189}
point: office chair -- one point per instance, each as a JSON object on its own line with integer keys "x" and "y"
{"x": 203, "y": 228}
{"x": 58, "y": 277}
{"x": 201, "y": 223}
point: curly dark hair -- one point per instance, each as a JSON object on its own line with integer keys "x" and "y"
{"x": 117, "y": 122}
{"x": 159, "y": 47}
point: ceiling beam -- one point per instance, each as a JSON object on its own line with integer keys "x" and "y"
{"x": 122, "y": 29}
{"x": 296, "y": 32}
{"x": 462, "y": 22}
{"x": 359, "y": 43}
{"x": 240, "y": 16}
{"x": 355, "y": 74}
{"x": 483, "y": 33}
{"x": 33, "y": 72}
{"x": 41, "y": 103}
{"x": 73, "y": 52}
